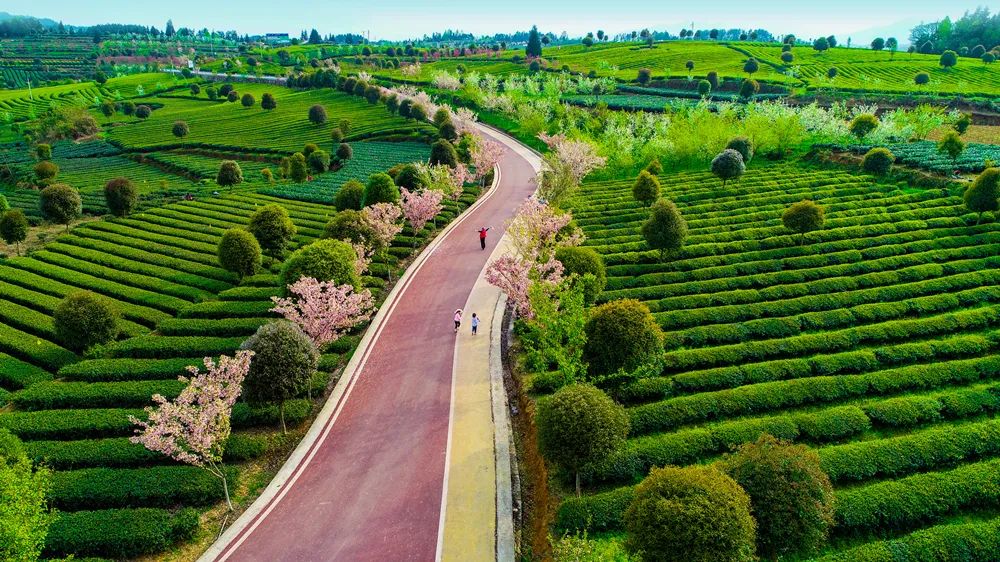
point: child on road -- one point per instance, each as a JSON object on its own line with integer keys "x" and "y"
{"x": 475, "y": 323}
{"x": 458, "y": 319}
{"x": 482, "y": 236}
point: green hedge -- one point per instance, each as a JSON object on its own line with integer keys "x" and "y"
{"x": 596, "y": 512}
{"x": 66, "y": 395}
{"x": 119, "y": 533}
{"x": 33, "y": 350}
{"x": 229, "y": 309}
{"x": 956, "y": 542}
{"x": 121, "y": 453}
{"x": 250, "y": 293}
{"x": 116, "y": 370}
{"x": 228, "y": 327}
{"x": 167, "y": 347}
{"x": 16, "y": 374}
{"x": 159, "y": 486}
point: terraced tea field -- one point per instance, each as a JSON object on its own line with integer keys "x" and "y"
{"x": 925, "y": 155}
{"x": 225, "y": 125}
{"x": 874, "y": 342}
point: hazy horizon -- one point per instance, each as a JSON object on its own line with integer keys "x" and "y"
{"x": 398, "y": 19}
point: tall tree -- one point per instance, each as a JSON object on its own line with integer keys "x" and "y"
{"x": 534, "y": 48}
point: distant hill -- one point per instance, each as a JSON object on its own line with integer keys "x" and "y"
{"x": 4, "y": 16}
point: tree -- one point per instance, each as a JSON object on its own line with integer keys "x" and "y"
{"x": 247, "y": 100}
{"x": 921, "y": 78}
{"x": 170, "y": 28}
{"x": 578, "y": 425}
{"x": 831, "y": 73}
{"x": 108, "y": 109}
{"x": 821, "y": 45}
{"x": 14, "y": 228}
{"x": 728, "y": 165}
{"x": 689, "y": 65}
{"x": 790, "y": 495}
{"x": 787, "y": 58}
{"x": 43, "y": 151}
{"x": 749, "y": 88}
{"x": 349, "y": 225}
{"x": 952, "y": 145}
{"x": 143, "y": 111}
{"x": 744, "y": 146}
{"x": 409, "y": 177}
{"x": 60, "y": 203}
{"x": 232, "y": 96}
{"x": 308, "y": 149}
{"x": 646, "y": 188}
{"x": 863, "y": 124}
{"x": 419, "y": 207}
{"x": 534, "y": 48}
{"x": 337, "y": 135}
{"x": 802, "y": 217}
{"x": 893, "y": 45}
{"x": 298, "y": 169}
{"x": 878, "y": 44}
{"x": 961, "y": 125}
{"x": 447, "y": 131}
{"x": 984, "y": 193}
{"x": 713, "y": 79}
{"x": 622, "y": 335}
{"x": 704, "y": 88}
{"x": 588, "y": 41}
{"x": 239, "y": 252}
{"x": 212, "y": 93}
{"x": 948, "y": 59}
{"x": 978, "y": 51}
{"x": 666, "y": 229}
{"x": 283, "y": 364}
{"x": 349, "y": 196}
{"x": 180, "y": 129}
{"x": 195, "y": 89}
{"x": 878, "y": 161}
{"x": 587, "y": 268}
{"x": 988, "y": 58}
{"x": 317, "y": 114}
{"x": 751, "y": 66}
{"x": 24, "y": 514}
{"x": 83, "y": 319}
{"x": 225, "y": 89}
{"x": 380, "y": 189}
{"x": 654, "y": 167}
{"x": 272, "y": 228}
{"x": 314, "y": 38}
{"x": 46, "y": 171}
{"x": 691, "y": 514}
{"x": 443, "y": 153}
{"x": 418, "y": 113}
{"x": 324, "y": 311}
{"x": 268, "y": 102}
{"x": 121, "y": 196}
{"x": 324, "y": 260}
{"x": 644, "y": 76}
{"x": 229, "y": 174}
{"x": 194, "y": 427}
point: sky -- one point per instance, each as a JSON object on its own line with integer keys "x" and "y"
{"x": 401, "y": 19}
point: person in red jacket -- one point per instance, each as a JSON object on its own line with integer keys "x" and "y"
{"x": 482, "y": 236}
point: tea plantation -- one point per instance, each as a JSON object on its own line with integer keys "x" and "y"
{"x": 873, "y": 342}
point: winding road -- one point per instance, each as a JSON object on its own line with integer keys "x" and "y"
{"x": 367, "y": 481}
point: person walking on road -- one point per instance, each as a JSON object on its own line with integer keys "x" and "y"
{"x": 482, "y": 236}
{"x": 475, "y": 323}
{"x": 458, "y": 319}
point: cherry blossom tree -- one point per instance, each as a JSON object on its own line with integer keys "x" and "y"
{"x": 383, "y": 218}
{"x": 515, "y": 276}
{"x": 449, "y": 181}
{"x": 566, "y": 165}
{"x": 486, "y": 154}
{"x": 194, "y": 427}
{"x": 324, "y": 310}
{"x": 420, "y": 207}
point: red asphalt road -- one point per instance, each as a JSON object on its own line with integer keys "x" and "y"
{"x": 373, "y": 490}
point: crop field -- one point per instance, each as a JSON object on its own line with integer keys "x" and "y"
{"x": 368, "y": 158}
{"x": 874, "y": 342}
{"x": 285, "y": 129}
{"x": 925, "y": 155}
{"x": 868, "y": 70}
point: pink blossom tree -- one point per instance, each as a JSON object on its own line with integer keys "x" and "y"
{"x": 515, "y": 276}
{"x": 420, "y": 207}
{"x": 486, "y": 154}
{"x": 324, "y": 310}
{"x": 194, "y": 427}
{"x": 383, "y": 218}
{"x": 565, "y": 166}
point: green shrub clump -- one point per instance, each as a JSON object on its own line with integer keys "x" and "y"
{"x": 83, "y": 319}
{"x": 272, "y": 228}
{"x": 239, "y": 252}
{"x": 60, "y": 204}
{"x": 380, "y": 189}
{"x": 121, "y": 196}
{"x": 349, "y": 196}
{"x": 589, "y": 268}
{"x": 646, "y": 188}
{"x": 692, "y": 514}
{"x": 878, "y": 161}
{"x": 229, "y": 174}
{"x": 744, "y": 146}
{"x": 621, "y": 335}
{"x": 325, "y": 260}
{"x": 284, "y": 361}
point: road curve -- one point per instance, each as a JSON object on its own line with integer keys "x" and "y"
{"x": 370, "y": 486}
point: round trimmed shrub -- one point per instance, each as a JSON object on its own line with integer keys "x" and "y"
{"x": 749, "y": 88}
{"x": 802, "y": 217}
{"x": 578, "y": 425}
{"x": 751, "y": 66}
{"x": 831, "y": 73}
{"x": 644, "y": 76}
{"x": 232, "y": 96}
{"x": 448, "y": 131}
{"x": 704, "y": 88}
{"x": 948, "y": 59}
{"x": 621, "y": 335}
{"x": 349, "y": 225}
{"x": 143, "y": 111}
{"x": 691, "y": 514}
{"x": 195, "y": 89}
{"x": 344, "y": 152}
{"x": 878, "y": 161}
{"x": 180, "y": 129}
{"x": 272, "y": 228}
{"x": 225, "y": 89}
{"x": 982, "y": 195}
{"x": 646, "y": 188}
{"x": 443, "y": 152}
{"x": 267, "y": 101}
{"x": 863, "y": 124}
{"x": 319, "y": 161}
{"x": 380, "y": 189}
{"x": 325, "y": 260}
{"x": 409, "y": 177}
{"x": 14, "y": 228}
{"x": 337, "y": 135}
{"x": 309, "y": 148}
{"x": 666, "y": 229}
{"x": 45, "y": 171}
{"x": 743, "y": 146}
{"x": 229, "y": 174}
{"x": 247, "y": 100}
{"x": 83, "y": 319}
{"x": 239, "y": 252}
{"x": 121, "y": 196}
{"x": 787, "y": 57}
{"x": 60, "y": 203}
{"x": 317, "y": 114}
{"x": 298, "y": 168}
{"x": 589, "y": 268}
{"x": 921, "y": 78}
{"x": 728, "y": 165}
{"x": 283, "y": 363}
{"x": 350, "y": 196}
{"x": 791, "y": 496}
{"x": 128, "y": 107}
{"x": 43, "y": 151}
